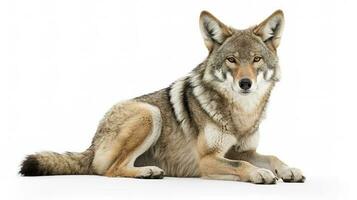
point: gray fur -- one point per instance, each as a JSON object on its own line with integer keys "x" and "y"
{"x": 201, "y": 99}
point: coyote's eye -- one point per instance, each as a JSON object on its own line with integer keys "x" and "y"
{"x": 231, "y": 59}
{"x": 257, "y": 59}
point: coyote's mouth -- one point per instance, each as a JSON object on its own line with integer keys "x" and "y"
{"x": 245, "y": 92}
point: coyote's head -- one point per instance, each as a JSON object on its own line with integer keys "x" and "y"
{"x": 241, "y": 61}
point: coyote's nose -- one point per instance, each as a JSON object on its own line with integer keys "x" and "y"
{"x": 245, "y": 83}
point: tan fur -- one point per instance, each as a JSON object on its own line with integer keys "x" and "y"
{"x": 245, "y": 72}
{"x": 222, "y": 168}
{"x": 203, "y": 125}
{"x": 274, "y": 164}
{"x": 132, "y": 134}
{"x": 247, "y": 122}
{"x": 226, "y": 31}
{"x": 214, "y": 165}
{"x": 272, "y": 44}
{"x": 132, "y": 123}
{"x": 119, "y": 124}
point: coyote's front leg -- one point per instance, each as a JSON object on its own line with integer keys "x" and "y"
{"x": 272, "y": 163}
{"x": 212, "y": 145}
{"x": 215, "y": 167}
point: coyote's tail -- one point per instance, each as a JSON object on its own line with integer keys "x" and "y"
{"x": 51, "y": 163}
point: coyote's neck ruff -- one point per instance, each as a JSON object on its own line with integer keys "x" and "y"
{"x": 205, "y": 124}
{"x": 236, "y": 113}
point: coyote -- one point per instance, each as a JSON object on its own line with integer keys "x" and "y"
{"x": 203, "y": 125}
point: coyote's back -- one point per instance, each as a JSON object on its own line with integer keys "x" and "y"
{"x": 204, "y": 124}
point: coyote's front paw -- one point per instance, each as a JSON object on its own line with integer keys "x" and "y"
{"x": 151, "y": 172}
{"x": 262, "y": 176}
{"x": 290, "y": 175}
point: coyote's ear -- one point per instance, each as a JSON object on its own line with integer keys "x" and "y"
{"x": 271, "y": 29}
{"x": 213, "y": 31}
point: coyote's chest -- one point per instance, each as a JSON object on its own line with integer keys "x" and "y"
{"x": 248, "y": 110}
{"x": 247, "y": 122}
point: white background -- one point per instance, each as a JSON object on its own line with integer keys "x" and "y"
{"x": 64, "y": 63}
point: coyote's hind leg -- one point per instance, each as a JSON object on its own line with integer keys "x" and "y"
{"x": 140, "y": 129}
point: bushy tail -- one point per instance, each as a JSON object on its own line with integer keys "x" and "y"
{"x": 51, "y": 163}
